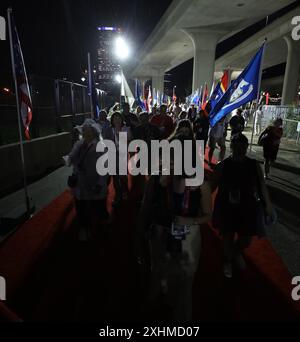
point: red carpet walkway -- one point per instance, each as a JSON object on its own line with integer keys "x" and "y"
{"x": 52, "y": 276}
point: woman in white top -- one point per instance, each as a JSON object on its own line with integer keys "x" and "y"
{"x": 88, "y": 187}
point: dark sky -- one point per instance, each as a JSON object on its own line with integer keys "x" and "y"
{"x": 56, "y": 35}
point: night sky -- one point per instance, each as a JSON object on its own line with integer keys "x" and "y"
{"x": 56, "y": 35}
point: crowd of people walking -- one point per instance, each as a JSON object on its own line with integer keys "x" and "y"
{"x": 168, "y": 228}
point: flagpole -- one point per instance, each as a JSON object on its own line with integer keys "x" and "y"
{"x": 258, "y": 90}
{"x": 9, "y": 11}
{"x": 90, "y": 84}
{"x": 229, "y": 77}
{"x": 258, "y": 93}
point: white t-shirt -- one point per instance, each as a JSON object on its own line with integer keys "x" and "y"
{"x": 258, "y": 116}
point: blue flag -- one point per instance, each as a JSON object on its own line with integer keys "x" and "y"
{"x": 195, "y": 98}
{"x": 243, "y": 90}
{"x": 137, "y": 95}
{"x": 216, "y": 96}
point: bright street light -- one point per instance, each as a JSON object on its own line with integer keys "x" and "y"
{"x": 118, "y": 78}
{"x": 121, "y": 48}
{"x": 82, "y": 79}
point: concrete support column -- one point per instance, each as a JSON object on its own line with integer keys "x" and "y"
{"x": 204, "y": 42}
{"x": 290, "y": 85}
{"x": 158, "y": 77}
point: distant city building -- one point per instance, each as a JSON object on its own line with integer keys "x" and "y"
{"x": 107, "y": 64}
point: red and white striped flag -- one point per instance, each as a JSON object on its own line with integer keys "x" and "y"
{"x": 25, "y": 103}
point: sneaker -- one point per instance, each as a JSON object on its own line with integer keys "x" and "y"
{"x": 240, "y": 262}
{"x": 227, "y": 269}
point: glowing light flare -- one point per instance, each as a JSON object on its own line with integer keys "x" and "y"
{"x": 121, "y": 48}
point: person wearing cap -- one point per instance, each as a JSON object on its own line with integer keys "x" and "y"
{"x": 241, "y": 204}
{"x": 104, "y": 124}
{"x": 88, "y": 187}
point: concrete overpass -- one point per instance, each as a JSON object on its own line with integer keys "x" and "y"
{"x": 193, "y": 28}
{"x": 280, "y": 48}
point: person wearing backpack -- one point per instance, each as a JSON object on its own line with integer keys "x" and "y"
{"x": 270, "y": 140}
{"x": 241, "y": 204}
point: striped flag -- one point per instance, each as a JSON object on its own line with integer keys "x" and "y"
{"x": 25, "y": 103}
{"x": 242, "y": 90}
{"x": 220, "y": 89}
{"x": 204, "y": 97}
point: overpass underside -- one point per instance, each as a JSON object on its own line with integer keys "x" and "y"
{"x": 193, "y": 29}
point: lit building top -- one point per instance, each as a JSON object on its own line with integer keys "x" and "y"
{"x": 108, "y": 28}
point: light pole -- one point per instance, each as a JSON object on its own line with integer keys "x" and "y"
{"x": 122, "y": 53}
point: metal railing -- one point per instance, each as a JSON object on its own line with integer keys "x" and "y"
{"x": 58, "y": 106}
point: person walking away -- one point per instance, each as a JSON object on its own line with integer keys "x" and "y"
{"x": 192, "y": 113}
{"x": 201, "y": 127}
{"x": 176, "y": 110}
{"x": 241, "y": 202}
{"x": 270, "y": 140}
{"x": 246, "y": 116}
{"x": 104, "y": 124}
{"x": 120, "y": 181}
{"x": 217, "y": 135}
{"x": 237, "y": 123}
{"x": 258, "y": 120}
{"x": 146, "y": 132}
{"x": 170, "y": 218}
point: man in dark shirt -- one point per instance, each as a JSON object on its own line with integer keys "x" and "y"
{"x": 237, "y": 123}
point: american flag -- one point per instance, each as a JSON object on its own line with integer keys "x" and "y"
{"x": 22, "y": 81}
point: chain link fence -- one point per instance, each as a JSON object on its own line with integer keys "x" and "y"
{"x": 290, "y": 116}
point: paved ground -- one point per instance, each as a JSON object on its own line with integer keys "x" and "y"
{"x": 284, "y": 187}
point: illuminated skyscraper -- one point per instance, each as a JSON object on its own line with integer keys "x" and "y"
{"x": 107, "y": 64}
